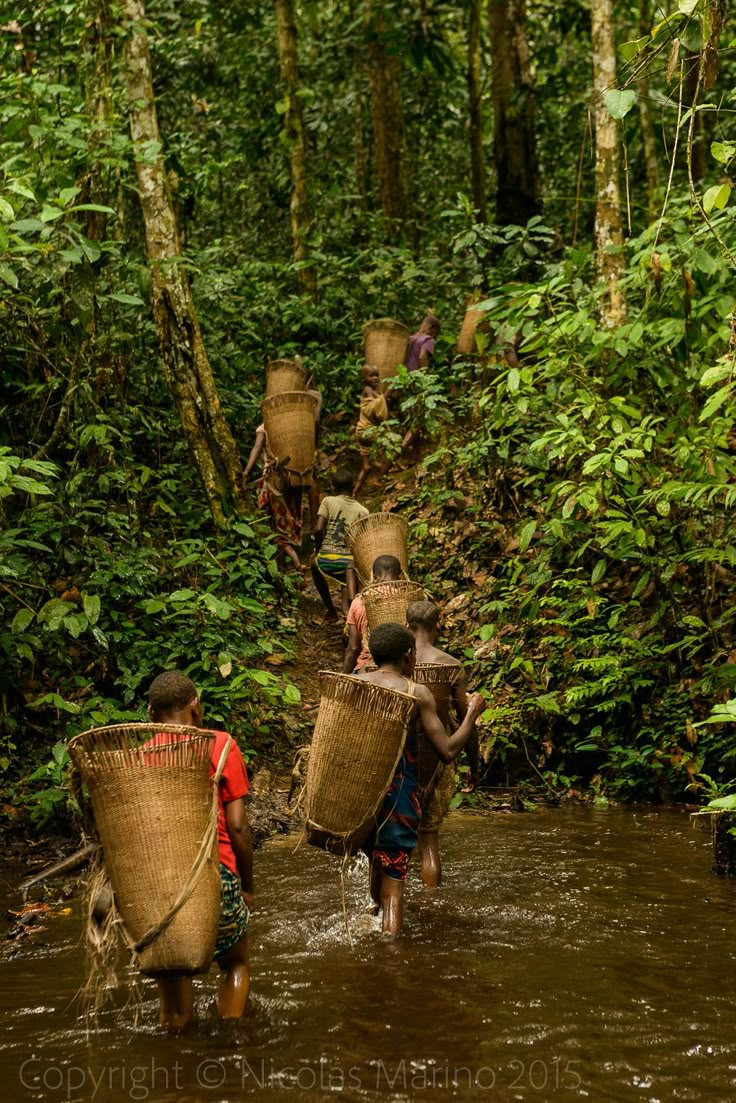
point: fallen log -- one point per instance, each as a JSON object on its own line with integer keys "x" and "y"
{"x": 65, "y": 865}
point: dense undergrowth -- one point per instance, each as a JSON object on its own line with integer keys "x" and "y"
{"x": 572, "y": 513}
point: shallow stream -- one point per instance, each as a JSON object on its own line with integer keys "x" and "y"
{"x": 569, "y": 955}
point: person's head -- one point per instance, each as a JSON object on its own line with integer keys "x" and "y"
{"x": 386, "y": 567}
{"x": 343, "y": 480}
{"x": 173, "y": 695}
{"x": 393, "y": 645}
{"x": 430, "y": 324}
{"x": 423, "y": 616}
{"x": 370, "y": 375}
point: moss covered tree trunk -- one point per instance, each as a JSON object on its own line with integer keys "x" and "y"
{"x": 295, "y": 136}
{"x": 475, "y": 106}
{"x": 387, "y": 118}
{"x": 608, "y": 228}
{"x": 183, "y": 356}
{"x": 514, "y": 142}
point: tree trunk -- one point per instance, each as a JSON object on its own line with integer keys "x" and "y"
{"x": 296, "y": 138}
{"x": 608, "y": 230}
{"x": 649, "y": 141}
{"x": 183, "y": 356}
{"x": 387, "y": 117}
{"x": 514, "y": 144}
{"x": 475, "y": 105}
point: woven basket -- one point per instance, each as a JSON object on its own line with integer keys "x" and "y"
{"x": 385, "y": 342}
{"x": 153, "y": 809}
{"x": 284, "y": 375}
{"x": 374, "y": 535}
{"x": 436, "y": 804}
{"x": 439, "y": 678}
{"x": 387, "y": 602}
{"x": 357, "y": 743}
{"x": 471, "y": 321}
{"x": 289, "y": 421}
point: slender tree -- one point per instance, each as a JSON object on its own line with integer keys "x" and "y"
{"x": 608, "y": 229}
{"x": 649, "y": 141}
{"x": 183, "y": 355}
{"x": 475, "y": 105}
{"x": 295, "y": 135}
{"x": 387, "y": 117}
{"x": 514, "y": 143}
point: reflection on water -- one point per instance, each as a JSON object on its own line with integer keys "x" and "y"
{"x": 569, "y": 955}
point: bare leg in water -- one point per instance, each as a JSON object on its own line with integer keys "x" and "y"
{"x": 388, "y": 895}
{"x": 235, "y": 981}
{"x": 430, "y": 863}
{"x": 176, "y": 1002}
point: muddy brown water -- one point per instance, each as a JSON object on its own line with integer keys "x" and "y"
{"x": 570, "y": 955}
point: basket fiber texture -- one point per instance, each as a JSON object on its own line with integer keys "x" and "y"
{"x": 357, "y": 743}
{"x": 471, "y": 321}
{"x": 387, "y": 602}
{"x": 436, "y": 804}
{"x": 374, "y": 535}
{"x": 155, "y": 810}
{"x": 385, "y": 343}
{"x": 284, "y": 375}
{"x": 289, "y": 421}
{"x": 439, "y": 678}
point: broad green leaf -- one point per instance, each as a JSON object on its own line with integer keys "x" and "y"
{"x": 6, "y": 210}
{"x": 715, "y": 373}
{"x": 21, "y": 620}
{"x": 598, "y": 571}
{"x": 619, "y": 102}
{"x": 215, "y": 605}
{"x": 514, "y": 380}
{"x": 129, "y": 300}
{"x": 722, "y": 151}
{"x": 715, "y": 402}
{"x": 50, "y": 214}
{"x": 687, "y": 7}
{"x": 182, "y": 595}
{"x": 75, "y": 624}
{"x": 91, "y": 603}
{"x": 8, "y": 275}
{"x": 153, "y": 605}
{"x": 631, "y": 49}
{"x": 292, "y": 696}
{"x": 717, "y": 197}
{"x": 526, "y": 534}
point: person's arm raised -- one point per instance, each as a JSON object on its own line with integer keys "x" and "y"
{"x": 448, "y": 747}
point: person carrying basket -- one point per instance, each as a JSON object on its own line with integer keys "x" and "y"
{"x": 173, "y": 699}
{"x": 390, "y": 847}
{"x": 333, "y": 562}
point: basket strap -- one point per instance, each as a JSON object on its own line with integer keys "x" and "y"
{"x": 200, "y": 861}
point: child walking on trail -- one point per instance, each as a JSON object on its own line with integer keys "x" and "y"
{"x": 386, "y": 568}
{"x": 172, "y": 699}
{"x": 422, "y": 618}
{"x": 373, "y": 410}
{"x": 390, "y": 848}
{"x": 333, "y": 561}
{"x": 283, "y": 502}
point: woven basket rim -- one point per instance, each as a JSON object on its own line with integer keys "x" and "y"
{"x": 296, "y": 397}
{"x": 140, "y": 727}
{"x": 330, "y": 674}
{"x": 438, "y": 667}
{"x": 375, "y": 520}
{"x": 390, "y": 324}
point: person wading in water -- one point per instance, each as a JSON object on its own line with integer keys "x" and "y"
{"x": 394, "y": 653}
{"x": 173, "y": 699}
{"x": 422, "y": 618}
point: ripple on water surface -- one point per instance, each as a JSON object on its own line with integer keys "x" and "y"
{"x": 569, "y": 955}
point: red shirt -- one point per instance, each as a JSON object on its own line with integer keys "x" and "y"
{"x": 233, "y": 786}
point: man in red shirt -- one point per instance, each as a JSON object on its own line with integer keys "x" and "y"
{"x": 173, "y": 699}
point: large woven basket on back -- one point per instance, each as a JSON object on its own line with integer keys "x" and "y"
{"x": 155, "y": 812}
{"x": 357, "y": 743}
{"x": 439, "y": 678}
{"x": 387, "y": 602}
{"x": 289, "y": 421}
{"x": 385, "y": 342}
{"x": 284, "y": 375}
{"x": 374, "y": 535}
